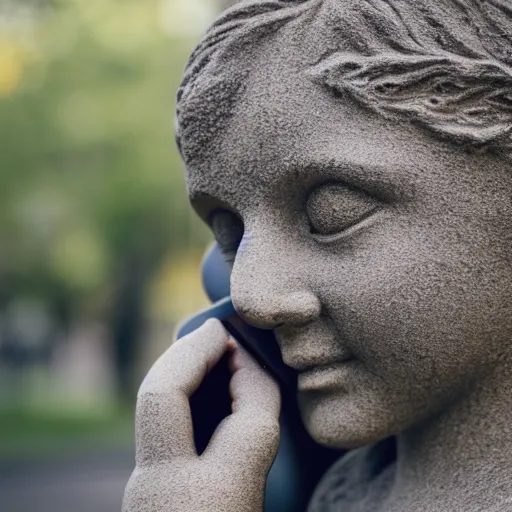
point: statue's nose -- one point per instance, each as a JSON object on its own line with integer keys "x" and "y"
{"x": 269, "y": 279}
{"x": 271, "y": 297}
{"x": 272, "y": 310}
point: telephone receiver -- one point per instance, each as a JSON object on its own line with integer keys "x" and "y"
{"x": 300, "y": 462}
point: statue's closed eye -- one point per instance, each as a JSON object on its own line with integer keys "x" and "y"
{"x": 333, "y": 208}
{"x": 228, "y": 230}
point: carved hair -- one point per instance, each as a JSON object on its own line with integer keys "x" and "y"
{"x": 443, "y": 64}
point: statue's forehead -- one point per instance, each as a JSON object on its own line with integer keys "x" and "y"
{"x": 285, "y": 127}
{"x": 263, "y": 138}
{"x": 275, "y": 120}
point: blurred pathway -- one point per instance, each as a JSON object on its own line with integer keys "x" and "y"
{"x": 79, "y": 483}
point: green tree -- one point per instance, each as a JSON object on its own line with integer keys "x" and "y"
{"x": 91, "y": 186}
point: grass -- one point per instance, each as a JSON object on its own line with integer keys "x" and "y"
{"x": 32, "y": 433}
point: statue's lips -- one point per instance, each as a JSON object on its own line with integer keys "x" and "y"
{"x": 302, "y": 362}
{"x": 309, "y": 350}
{"x": 328, "y": 377}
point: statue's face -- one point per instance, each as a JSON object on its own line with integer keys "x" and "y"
{"x": 382, "y": 256}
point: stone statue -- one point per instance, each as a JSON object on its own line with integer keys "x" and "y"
{"x": 353, "y": 160}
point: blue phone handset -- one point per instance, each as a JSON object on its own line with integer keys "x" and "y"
{"x": 300, "y": 462}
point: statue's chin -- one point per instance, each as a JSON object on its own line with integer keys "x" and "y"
{"x": 339, "y": 422}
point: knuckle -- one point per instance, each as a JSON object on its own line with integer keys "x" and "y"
{"x": 148, "y": 395}
{"x": 146, "y": 401}
{"x": 153, "y": 405}
{"x": 267, "y": 428}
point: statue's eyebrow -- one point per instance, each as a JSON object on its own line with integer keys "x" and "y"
{"x": 375, "y": 179}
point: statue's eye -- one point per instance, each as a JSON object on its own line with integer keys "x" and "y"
{"x": 228, "y": 230}
{"x": 333, "y": 208}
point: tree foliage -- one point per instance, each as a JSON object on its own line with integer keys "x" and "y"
{"x": 89, "y": 175}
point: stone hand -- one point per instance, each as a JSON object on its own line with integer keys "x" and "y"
{"x": 231, "y": 473}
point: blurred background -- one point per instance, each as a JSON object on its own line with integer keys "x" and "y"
{"x": 99, "y": 250}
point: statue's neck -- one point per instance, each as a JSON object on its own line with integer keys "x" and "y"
{"x": 464, "y": 455}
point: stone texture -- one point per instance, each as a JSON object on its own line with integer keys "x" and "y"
{"x": 364, "y": 145}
